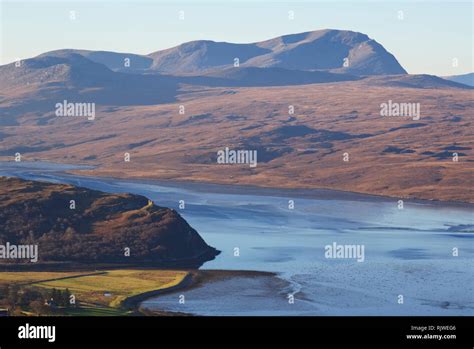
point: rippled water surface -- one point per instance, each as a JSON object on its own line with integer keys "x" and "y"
{"x": 408, "y": 251}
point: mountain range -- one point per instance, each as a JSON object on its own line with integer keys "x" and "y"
{"x": 322, "y": 50}
{"x": 336, "y": 110}
{"x": 312, "y": 57}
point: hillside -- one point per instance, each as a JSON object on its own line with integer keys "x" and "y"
{"x": 40, "y": 82}
{"x": 99, "y": 228}
{"x": 466, "y": 79}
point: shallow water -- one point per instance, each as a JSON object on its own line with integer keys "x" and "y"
{"x": 407, "y": 251}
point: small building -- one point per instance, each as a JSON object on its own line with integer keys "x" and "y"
{"x": 50, "y": 303}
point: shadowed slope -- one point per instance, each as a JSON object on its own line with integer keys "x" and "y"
{"x": 98, "y": 229}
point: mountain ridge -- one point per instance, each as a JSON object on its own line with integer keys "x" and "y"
{"x": 465, "y": 79}
{"x": 324, "y": 50}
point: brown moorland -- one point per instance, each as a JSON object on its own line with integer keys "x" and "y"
{"x": 394, "y": 156}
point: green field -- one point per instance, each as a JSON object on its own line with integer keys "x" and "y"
{"x": 26, "y": 277}
{"x": 103, "y": 293}
{"x": 120, "y": 284}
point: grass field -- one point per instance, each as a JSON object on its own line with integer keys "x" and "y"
{"x": 102, "y": 293}
{"x": 27, "y": 277}
{"x": 119, "y": 284}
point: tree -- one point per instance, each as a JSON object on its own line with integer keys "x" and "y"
{"x": 66, "y": 297}
{"x": 28, "y": 295}
{"x": 55, "y": 296}
{"x": 38, "y": 307}
{"x": 12, "y": 296}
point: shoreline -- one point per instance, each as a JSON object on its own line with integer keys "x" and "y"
{"x": 73, "y": 172}
{"x": 133, "y": 305}
{"x": 194, "y": 279}
{"x": 247, "y": 189}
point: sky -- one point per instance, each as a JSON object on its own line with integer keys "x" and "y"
{"x": 432, "y": 37}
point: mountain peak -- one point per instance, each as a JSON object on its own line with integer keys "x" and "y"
{"x": 332, "y": 50}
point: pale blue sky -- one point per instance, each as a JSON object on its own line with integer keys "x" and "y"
{"x": 427, "y": 40}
